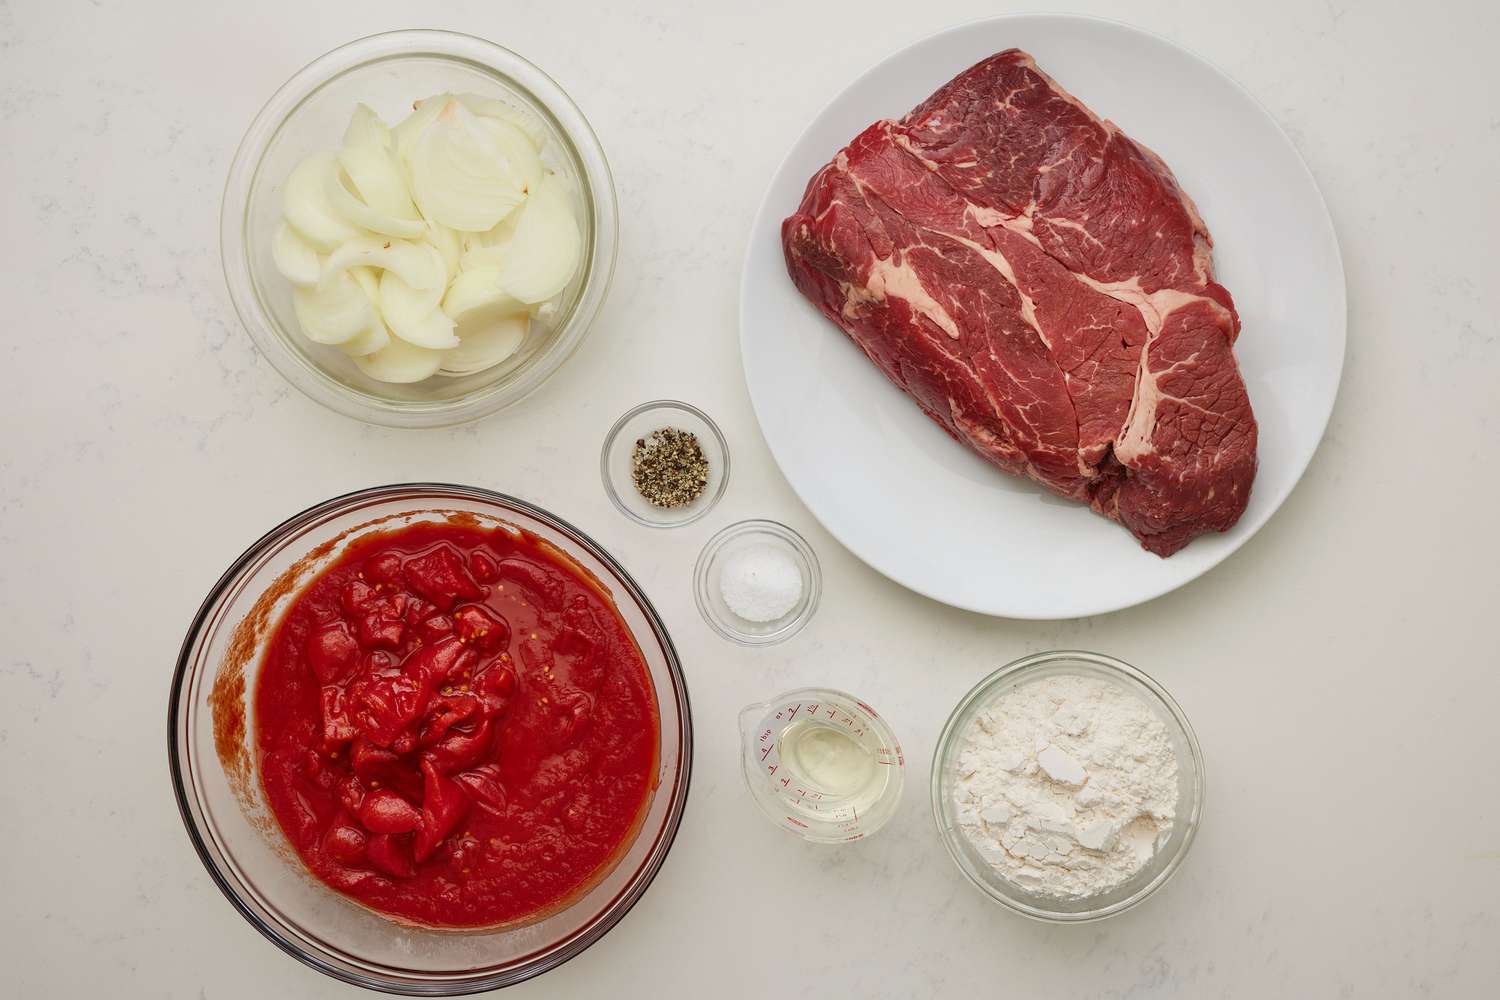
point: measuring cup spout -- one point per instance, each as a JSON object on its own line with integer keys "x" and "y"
{"x": 751, "y": 714}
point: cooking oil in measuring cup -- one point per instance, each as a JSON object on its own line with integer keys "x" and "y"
{"x": 821, "y": 764}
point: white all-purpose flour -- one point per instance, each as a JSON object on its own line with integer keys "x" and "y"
{"x": 1067, "y": 785}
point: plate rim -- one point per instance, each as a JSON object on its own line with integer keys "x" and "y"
{"x": 1321, "y": 224}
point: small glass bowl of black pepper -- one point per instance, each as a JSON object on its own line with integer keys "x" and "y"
{"x": 665, "y": 464}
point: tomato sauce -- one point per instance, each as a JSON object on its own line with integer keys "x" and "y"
{"x": 455, "y": 727}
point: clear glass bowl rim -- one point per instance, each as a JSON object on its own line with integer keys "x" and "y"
{"x": 792, "y": 538}
{"x": 587, "y": 936}
{"x": 614, "y": 433}
{"x": 1010, "y": 673}
{"x": 599, "y": 190}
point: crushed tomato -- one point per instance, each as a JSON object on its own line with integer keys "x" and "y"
{"x": 455, "y": 727}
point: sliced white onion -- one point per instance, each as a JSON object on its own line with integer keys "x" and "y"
{"x": 354, "y": 211}
{"x": 366, "y": 129}
{"x": 517, "y": 149}
{"x": 479, "y": 295}
{"x": 482, "y": 258}
{"x": 407, "y": 131}
{"x": 474, "y": 237}
{"x": 307, "y": 207}
{"x": 468, "y": 242}
{"x": 414, "y": 314}
{"x": 433, "y": 331}
{"x": 333, "y": 311}
{"x": 378, "y": 179}
{"x": 399, "y": 361}
{"x": 418, "y": 265}
{"x": 491, "y": 324}
{"x": 504, "y": 231}
{"x": 369, "y": 280}
{"x": 294, "y": 257}
{"x": 370, "y": 161}
{"x": 481, "y": 250}
{"x": 540, "y": 259}
{"x": 375, "y": 336}
{"x": 529, "y": 124}
{"x": 460, "y": 175}
{"x": 486, "y": 346}
{"x": 449, "y": 245}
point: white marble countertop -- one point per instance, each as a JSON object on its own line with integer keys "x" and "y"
{"x": 1341, "y": 669}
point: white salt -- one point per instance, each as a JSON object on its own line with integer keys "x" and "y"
{"x": 760, "y": 583}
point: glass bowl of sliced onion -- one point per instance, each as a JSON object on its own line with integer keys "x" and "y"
{"x": 419, "y": 228}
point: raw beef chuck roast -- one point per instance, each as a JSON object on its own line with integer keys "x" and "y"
{"x": 1042, "y": 287}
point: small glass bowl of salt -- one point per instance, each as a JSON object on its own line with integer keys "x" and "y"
{"x": 757, "y": 582}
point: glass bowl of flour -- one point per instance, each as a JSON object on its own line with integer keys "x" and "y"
{"x": 1068, "y": 786}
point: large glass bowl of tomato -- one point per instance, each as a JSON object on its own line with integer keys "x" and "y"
{"x": 429, "y": 739}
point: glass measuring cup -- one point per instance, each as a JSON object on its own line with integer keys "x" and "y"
{"x": 821, "y": 764}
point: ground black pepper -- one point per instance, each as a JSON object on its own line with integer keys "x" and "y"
{"x": 668, "y": 467}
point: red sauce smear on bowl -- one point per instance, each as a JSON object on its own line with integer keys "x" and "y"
{"x": 455, "y": 727}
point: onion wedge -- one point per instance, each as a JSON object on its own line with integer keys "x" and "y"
{"x": 414, "y": 314}
{"x": 369, "y": 281}
{"x": 417, "y": 264}
{"x": 503, "y": 233}
{"x": 407, "y": 131}
{"x": 375, "y": 336}
{"x": 399, "y": 361}
{"x": 461, "y": 176}
{"x": 352, "y": 210}
{"x": 491, "y": 324}
{"x": 307, "y": 208}
{"x": 294, "y": 257}
{"x": 486, "y": 346}
{"x": 517, "y": 149}
{"x": 377, "y": 178}
{"x": 449, "y": 245}
{"x": 539, "y": 260}
{"x": 333, "y": 311}
{"x": 481, "y": 249}
{"x": 370, "y": 161}
{"x": 366, "y": 129}
{"x": 482, "y": 258}
{"x": 488, "y": 107}
{"x": 479, "y": 294}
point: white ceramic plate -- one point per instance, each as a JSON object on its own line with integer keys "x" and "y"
{"x": 930, "y": 514}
